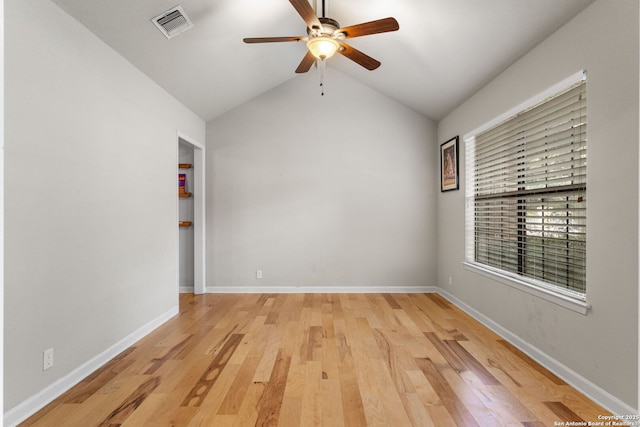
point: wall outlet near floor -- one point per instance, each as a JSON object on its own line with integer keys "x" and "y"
{"x": 450, "y": 280}
{"x": 47, "y": 359}
{"x": 258, "y": 274}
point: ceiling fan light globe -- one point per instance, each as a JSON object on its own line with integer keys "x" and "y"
{"x": 322, "y": 47}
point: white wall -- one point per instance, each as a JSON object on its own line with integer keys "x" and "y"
{"x": 333, "y": 190}
{"x": 601, "y": 346}
{"x": 91, "y": 239}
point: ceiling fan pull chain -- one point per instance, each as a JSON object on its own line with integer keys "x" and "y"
{"x": 322, "y": 67}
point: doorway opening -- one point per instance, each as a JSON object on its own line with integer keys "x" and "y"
{"x": 191, "y": 216}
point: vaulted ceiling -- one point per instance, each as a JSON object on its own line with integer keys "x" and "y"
{"x": 444, "y": 51}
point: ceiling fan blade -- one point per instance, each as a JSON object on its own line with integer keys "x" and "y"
{"x": 306, "y": 63}
{"x": 274, "y": 39}
{"x": 358, "y": 57}
{"x": 373, "y": 27}
{"x": 306, "y": 12}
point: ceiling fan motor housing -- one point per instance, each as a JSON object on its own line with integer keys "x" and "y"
{"x": 329, "y": 28}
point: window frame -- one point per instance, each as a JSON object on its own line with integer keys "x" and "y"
{"x": 574, "y": 300}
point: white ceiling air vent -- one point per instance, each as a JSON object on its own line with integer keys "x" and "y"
{"x": 172, "y": 22}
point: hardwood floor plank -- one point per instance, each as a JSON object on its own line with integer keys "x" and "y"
{"x": 217, "y": 337}
{"x": 579, "y": 403}
{"x": 416, "y": 410}
{"x": 369, "y": 390}
{"x": 275, "y": 310}
{"x": 408, "y": 325}
{"x": 295, "y": 379}
{"x": 314, "y": 344}
{"x": 319, "y": 360}
{"x": 139, "y": 417}
{"x": 530, "y": 363}
{"x": 156, "y": 363}
{"x": 224, "y": 421}
{"x": 472, "y": 363}
{"x": 90, "y": 412}
{"x": 445, "y": 351}
{"x": 215, "y": 397}
{"x": 424, "y": 389}
{"x": 411, "y": 306}
{"x": 131, "y": 403}
{"x": 247, "y": 414}
{"x": 352, "y": 335}
{"x": 312, "y": 398}
{"x": 440, "y": 301}
{"x": 199, "y": 391}
{"x": 147, "y": 414}
{"x": 441, "y": 315}
{"x": 533, "y": 398}
{"x": 454, "y": 406}
{"x": 503, "y": 398}
{"x": 352, "y": 405}
{"x": 380, "y": 314}
{"x": 469, "y": 389}
{"x": 234, "y": 398}
{"x": 561, "y": 410}
{"x": 290, "y": 412}
{"x": 271, "y": 401}
{"x": 441, "y": 417}
{"x": 397, "y": 361}
{"x": 332, "y": 411}
{"x": 391, "y": 301}
{"x": 269, "y": 352}
{"x": 471, "y": 327}
{"x": 391, "y": 400}
{"x": 484, "y": 350}
{"x": 316, "y": 311}
{"x": 330, "y": 360}
{"x": 94, "y": 382}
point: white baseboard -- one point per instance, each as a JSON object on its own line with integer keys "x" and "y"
{"x": 321, "y": 289}
{"x": 185, "y": 289}
{"x": 36, "y": 402}
{"x": 589, "y": 389}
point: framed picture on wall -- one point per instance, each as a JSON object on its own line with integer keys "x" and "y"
{"x": 449, "y": 165}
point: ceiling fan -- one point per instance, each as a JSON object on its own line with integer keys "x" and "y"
{"x": 325, "y": 37}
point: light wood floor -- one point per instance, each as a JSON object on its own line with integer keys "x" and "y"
{"x": 318, "y": 359}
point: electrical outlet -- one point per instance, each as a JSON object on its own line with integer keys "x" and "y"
{"x": 450, "y": 280}
{"x": 258, "y": 274}
{"x": 47, "y": 359}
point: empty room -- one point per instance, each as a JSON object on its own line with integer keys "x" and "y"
{"x": 407, "y": 213}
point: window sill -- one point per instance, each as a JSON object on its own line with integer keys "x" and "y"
{"x": 566, "y": 301}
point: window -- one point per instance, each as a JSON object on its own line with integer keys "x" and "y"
{"x": 527, "y": 193}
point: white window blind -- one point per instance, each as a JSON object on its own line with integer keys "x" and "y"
{"x": 526, "y": 193}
